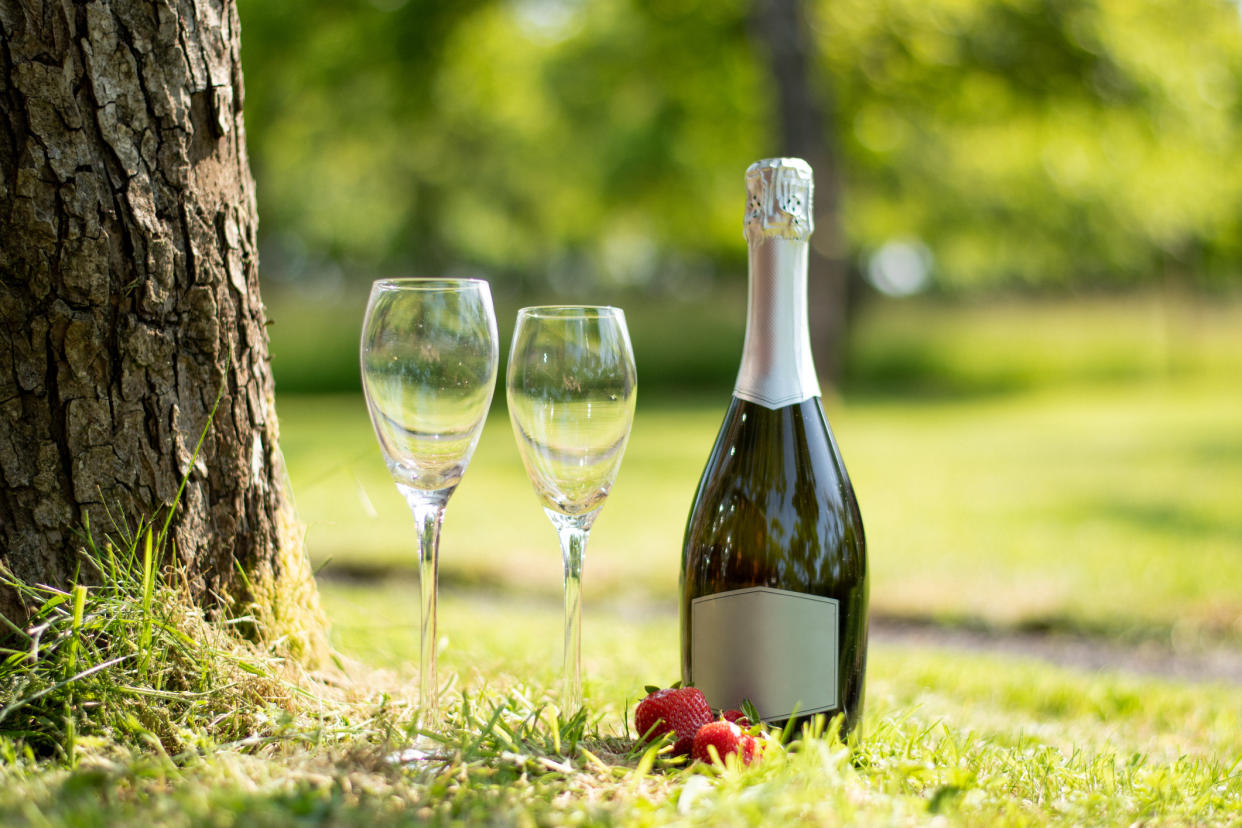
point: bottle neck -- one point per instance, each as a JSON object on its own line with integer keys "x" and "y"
{"x": 777, "y": 369}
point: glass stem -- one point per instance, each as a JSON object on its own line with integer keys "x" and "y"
{"x": 573, "y": 532}
{"x": 428, "y": 509}
{"x": 573, "y": 542}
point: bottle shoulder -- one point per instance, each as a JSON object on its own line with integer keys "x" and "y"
{"x": 775, "y": 504}
{"x": 777, "y": 450}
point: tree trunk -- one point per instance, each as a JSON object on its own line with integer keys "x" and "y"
{"x": 129, "y": 299}
{"x": 805, "y": 114}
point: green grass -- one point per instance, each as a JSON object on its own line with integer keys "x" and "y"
{"x": 1002, "y": 345}
{"x": 1047, "y": 463}
{"x": 1017, "y": 739}
{"x": 950, "y": 740}
{"x": 1107, "y": 509}
{"x": 128, "y": 662}
{"x": 1054, "y": 469}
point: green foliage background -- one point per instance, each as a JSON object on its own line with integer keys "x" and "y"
{"x": 575, "y": 144}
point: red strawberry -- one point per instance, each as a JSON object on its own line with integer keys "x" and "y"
{"x": 683, "y": 746}
{"x": 680, "y": 710}
{"x": 752, "y": 749}
{"x": 737, "y": 717}
{"x": 727, "y": 738}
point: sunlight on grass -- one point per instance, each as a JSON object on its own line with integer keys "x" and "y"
{"x": 949, "y": 738}
{"x": 975, "y": 739}
{"x": 1061, "y": 463}
{"x": 1091, "y": 485}
{"x": 1111, "y": 509}
{"x": 488, "y": 639}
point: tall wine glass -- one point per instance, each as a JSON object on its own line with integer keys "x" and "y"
{"x": 429, "y": 355}
{"x": 571, "y": 389}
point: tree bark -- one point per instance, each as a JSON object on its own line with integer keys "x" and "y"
{"x": 129, "y": 298}
{"x": 805, "y": 114}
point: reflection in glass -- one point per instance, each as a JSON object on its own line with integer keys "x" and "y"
{"x": 429, "y": 357}
{"x": 571, "y": 389}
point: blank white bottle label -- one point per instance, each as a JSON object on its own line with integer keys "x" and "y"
{"x": 775, "y": 647}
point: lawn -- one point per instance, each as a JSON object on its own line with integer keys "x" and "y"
{"x": 949, "y": 740}
{"x": 1071, "y": 464}
{"x": 1020, "y": 468}
{"x": 1109, "y": 510}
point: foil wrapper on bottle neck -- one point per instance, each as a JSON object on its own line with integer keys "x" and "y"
{"x": 779, "y": 194}
{"x": 777, "y": 367}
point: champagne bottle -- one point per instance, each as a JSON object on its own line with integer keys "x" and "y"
{"x": 774, "y": 569}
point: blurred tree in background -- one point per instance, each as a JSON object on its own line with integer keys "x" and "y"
{"x": 1045, "y": 141}
{"x": 575, "y": 144}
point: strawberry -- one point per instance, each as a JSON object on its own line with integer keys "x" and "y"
{"x": 737, "y": 717}
{"x": 681, "y": 710}
{"x": 727, "y": 738}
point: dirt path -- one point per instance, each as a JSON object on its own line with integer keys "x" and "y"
{"x": 1211, "y": 663}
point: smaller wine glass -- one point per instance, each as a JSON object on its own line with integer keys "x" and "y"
{"x": 429, "y": 356}
{"x": 571, "y": 388}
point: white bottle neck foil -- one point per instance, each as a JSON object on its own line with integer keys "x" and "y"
{"x": 777, "y": 369}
